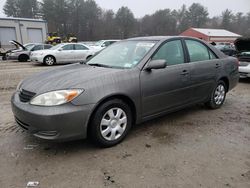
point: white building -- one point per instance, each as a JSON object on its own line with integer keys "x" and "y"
{"x": 22, "y": 30}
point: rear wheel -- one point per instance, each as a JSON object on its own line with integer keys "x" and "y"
{"x": 49, "y": 60}
{"x": 23, "y": 58}
{"x": 218, "y": 96}
{"x": 111, "y": 123}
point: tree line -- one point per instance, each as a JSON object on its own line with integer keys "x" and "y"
{"x": 88, "y": 21}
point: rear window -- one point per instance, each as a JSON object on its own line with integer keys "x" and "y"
{"x": 198, "y": 51}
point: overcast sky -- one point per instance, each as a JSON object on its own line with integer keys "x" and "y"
{"x": 142, "y": 7}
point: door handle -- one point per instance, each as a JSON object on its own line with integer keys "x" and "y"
{"x": 184, "y": 72}
{"x": 217, "y": 65}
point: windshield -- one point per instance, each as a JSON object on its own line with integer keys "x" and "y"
{"x": 56, "y": 46}
{"x": 99, "y": 43}
{"x": 29, "y": 46}
{"x": 125, "y": 54}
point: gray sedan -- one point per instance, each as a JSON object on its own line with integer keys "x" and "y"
{"x": 127, "y": 83}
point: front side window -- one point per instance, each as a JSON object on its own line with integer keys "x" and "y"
{"x": 172, "y": 52}
{"x": 68, "y": 47}
{"x": 197, "y": 51}
{"x": 47, "y": 46}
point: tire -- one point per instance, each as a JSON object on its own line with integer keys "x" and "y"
{"x": 49, "y": 60}
{"x": 23, "y": 58}
{"x": 217, "y": 96}
{"x": 110, "y": 123}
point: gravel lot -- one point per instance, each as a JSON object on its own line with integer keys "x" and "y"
{"x": 195, "y": 147}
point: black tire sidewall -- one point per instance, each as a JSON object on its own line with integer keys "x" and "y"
{"x": 23, "y": 58}
{"x": 96, "y": 120}
{"x": 212, "y": 103}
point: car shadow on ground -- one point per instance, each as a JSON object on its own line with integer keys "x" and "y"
{"x": 156, "y": 125}
{"x": 244, "y": 80}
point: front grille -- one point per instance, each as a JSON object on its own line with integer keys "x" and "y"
{"x": 26, "y": 96}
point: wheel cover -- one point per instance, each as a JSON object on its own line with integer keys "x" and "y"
{"x": 113, "y": 124}
{"x": 219, "y": 94}
{"x": 49, "y": 61}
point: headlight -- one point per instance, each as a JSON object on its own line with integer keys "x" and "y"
{"x": 55, "y": 98}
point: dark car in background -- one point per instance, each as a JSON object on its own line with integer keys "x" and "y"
{"x": 127, "y": 83}
{"x": 243, "y": 47}
{"x": 227, "y": 49}
{"x": 22, "y": 54}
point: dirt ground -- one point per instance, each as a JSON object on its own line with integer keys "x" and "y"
{"x": 195, "y": 147}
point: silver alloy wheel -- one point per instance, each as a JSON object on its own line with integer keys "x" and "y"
{"x": 49, "y": 60}
{"x": 219, "y": 94}
{"x": 113, "y": 124}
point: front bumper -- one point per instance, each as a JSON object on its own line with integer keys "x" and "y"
{"x": 244, "y": 70}
{"x": 64, "y": 122}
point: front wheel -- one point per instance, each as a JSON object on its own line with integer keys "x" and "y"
{"x": 49, "y": 60}
{"x": 111, "y": 123}
{"x": 218, "y": 96}
{"x": 23, "y": 58}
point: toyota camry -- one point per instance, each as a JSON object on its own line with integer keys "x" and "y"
{"x": 129, "y": 82}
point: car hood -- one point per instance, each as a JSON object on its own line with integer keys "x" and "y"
{"x": 17, "y": 44}
{"x": 69, "y": 76}
{"x": 242, "y": 44}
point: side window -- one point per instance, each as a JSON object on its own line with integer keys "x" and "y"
{"x": 212, "y": 56}
{"x": 68, "y": 47}
{"x": 197, "y": 51}
{"x": 47, "y": 46}
{"x": 80, "y": 47}
{"x": 172, "y": 52}
{"x": 37, "y": 47}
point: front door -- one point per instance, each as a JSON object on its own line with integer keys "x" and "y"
{"x": 66, "y": 54}
{"x": 164, "y": 89}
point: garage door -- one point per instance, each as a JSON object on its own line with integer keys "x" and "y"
{"x": 35, "y": 35}
{"x": 7, "y": 34}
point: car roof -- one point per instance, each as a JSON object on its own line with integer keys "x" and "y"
{"x": 159, "y": 38}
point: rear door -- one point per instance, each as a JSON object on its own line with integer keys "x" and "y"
{"x": 205, "y": 67}
{"x": 81, "y": 52}
{"x": 165, "y": 89}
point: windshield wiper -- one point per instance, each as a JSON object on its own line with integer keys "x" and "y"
{"x": 100, "y": 65}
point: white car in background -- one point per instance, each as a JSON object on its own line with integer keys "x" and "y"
{"x": 101, "y": 44}
{"x": 63, "y": 53}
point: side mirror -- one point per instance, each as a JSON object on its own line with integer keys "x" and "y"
{"x": 103, "y": 45}
{"x": 60, "y": 49}
{"x": 156, "y": 64}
